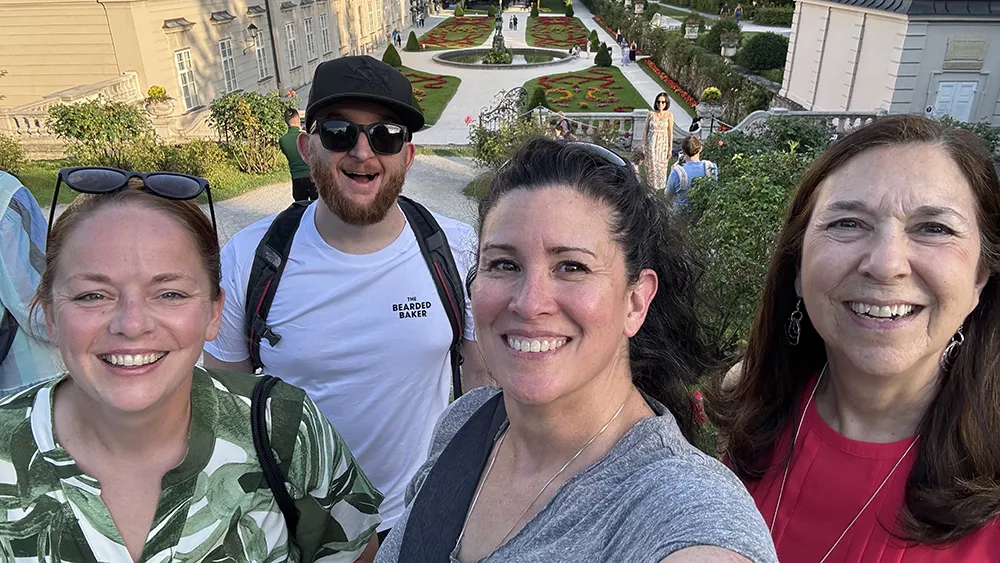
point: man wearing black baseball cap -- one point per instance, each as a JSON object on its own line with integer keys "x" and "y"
{"x": 357, "y": 321}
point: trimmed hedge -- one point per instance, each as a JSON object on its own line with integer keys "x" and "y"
{"x": 774, "y": 15}
{"x": 459, "y": 11}
{"x": 603, "y": 57}
{"x": 391, "y": 57}
{"x": 491, "y": 13}
{"x": 412, "y": 43}
{"x": 534, "y": 8}
{"x": 569, "y": 10}
{"x": 763, "y": 52}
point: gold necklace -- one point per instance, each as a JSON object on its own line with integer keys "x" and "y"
{"x": 493, "y": 459}
{"x": 788, "y": 465}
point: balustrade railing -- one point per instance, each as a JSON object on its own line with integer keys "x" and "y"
{"x": 839, "y": 122}
{"x": 619, "y": 128}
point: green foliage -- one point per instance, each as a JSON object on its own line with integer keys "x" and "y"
{"x": 807, "y": 136}
{"x": 603, "y": 57}
{"x": 391, "y": 57}
{"x": 569, "y": 10}
{"x": 100, "y": 132}
{"x": 593, "y": 36}
{"x": 712, "y": 40}
{"x": 11, "y": 155}
{"x": 776, "y": 75}
{"x": 460, "y": 11}
{"x": 774, "y": 15}
{"x": 156, "y": 93}
{"x": 538, "y": 98}
{"x": 763, "y": 52}
{"x": 709, "y": 6}
{"x": 735, "y": 221}
{"x": 200, "y": 157}
{"x": 493, "y": 146}
{"x": 534, "y": 9}
{"x": 504, "y": 57}
{"x": 988, "y": 134}
{"x": 412, "y": 43}
{"x": 711, "y": 94}
{"x": 249, "y": 124}
{"x": 492, "y": 12}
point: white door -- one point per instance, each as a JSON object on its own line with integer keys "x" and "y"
{"x": 955, "y": 99}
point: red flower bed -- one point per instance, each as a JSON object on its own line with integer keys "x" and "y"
{"x": 570, "y": 32}
{"x": 672, "y": 84}
{"x": 422, "y": 82}
{"x": 601, "y": 23}
{"x": 624, "y": 109}
{"x": 457, "y": 33}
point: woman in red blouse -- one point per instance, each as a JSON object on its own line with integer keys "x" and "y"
{"x": 865, "y": 420}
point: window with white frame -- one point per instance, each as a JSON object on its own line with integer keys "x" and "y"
{"x": 293, "y": 46}
{"x": 261, "y": 42}
{"x": 228, "y": 65}
{"x": 324, "y": 33}
{"x": 310, "y": 38}
{"x": 185, "y": 78}
{"x": 371, "y": 18}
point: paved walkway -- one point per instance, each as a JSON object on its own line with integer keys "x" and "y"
{"x": 480, "y": 86}
{"x": 744, "y": 25}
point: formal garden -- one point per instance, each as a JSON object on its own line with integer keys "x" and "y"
{"x": 596, "y": 89}
{"x": 556, "y": 32}
{"x": 431, "y": 92}
{"x": 456, "y": 33}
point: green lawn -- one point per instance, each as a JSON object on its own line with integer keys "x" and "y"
{"x": 438, "y": 91}
{"x": 552, "y": 6}
{"x": 457, "y": 151}
{"x": 457, "y": 33}
{"x": 674, "y": 103}
{"x": 594, "y": 78}
{"x": 556, "y": 32}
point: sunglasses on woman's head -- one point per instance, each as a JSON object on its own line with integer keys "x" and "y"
{"x": 102, "y": 180}
{"x": 604, "y": 153}
{"x": 340, "y": 135}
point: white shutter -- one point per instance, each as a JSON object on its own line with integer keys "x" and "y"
{"x": 945, "y": 97}
{"x": 964, "y": 96}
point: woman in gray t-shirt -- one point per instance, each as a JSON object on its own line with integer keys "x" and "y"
{"x": 584, "y": 306}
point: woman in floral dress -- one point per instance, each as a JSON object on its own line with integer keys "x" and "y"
{"x": 658, "y": 142}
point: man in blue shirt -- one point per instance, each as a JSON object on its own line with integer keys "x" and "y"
{"x": 29, "y": 357}
{"x": 681, "y": 176}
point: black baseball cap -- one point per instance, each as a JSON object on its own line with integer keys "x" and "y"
{"x": 362, "y": 78}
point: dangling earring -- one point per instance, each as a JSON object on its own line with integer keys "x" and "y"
{"x": 951, "y": 352}
{"x": 794, "y": 330}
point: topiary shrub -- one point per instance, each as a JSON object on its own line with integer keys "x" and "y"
{"x": 460, "y": 11}
{"x": 391, "y": 57}
{"x": 12, "y": 156}
{"x": 712, "y": 41}
{"x": 492, "y": 12}
{"x": 774, "y": 15}
{"x": 569, "y": 10}
{"x": 763, "y": 52}
{"x": 603, "y": 57}
{"x": 534, "y": 8}
{"x": 538, "y": 99}
{"x": 412, "y": 44}
{"x": 593, "y": 36}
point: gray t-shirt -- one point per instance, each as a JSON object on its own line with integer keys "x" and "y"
{"x": 651, "y": 495}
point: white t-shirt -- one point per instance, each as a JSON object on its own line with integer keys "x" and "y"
{"x": 365, "y": 335}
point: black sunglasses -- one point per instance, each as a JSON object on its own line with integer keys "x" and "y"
{"x": 606, "y": 154}
{"x": 102, "y": 180}
{"x": 339, "y": 135}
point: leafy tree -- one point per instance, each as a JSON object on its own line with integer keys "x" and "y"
{"x": 391, "y": 57}
{"x": 249, "y": 124}
{"x": 712, "y": 41}
{"x": 603, "y": 57}
{"x": 11, "y": 155}
{"x": 412, "y": 43}
{"x": 100, "y": 132}
{"x": 763, "y": 52}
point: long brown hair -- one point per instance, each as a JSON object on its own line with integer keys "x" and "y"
{"x": 954, "y": 486}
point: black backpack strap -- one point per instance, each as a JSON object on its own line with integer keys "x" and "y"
{"x": 268, "y": 264}
{"x": 265, "y": 455}
{"x": 437, "y": 253}
{"x": 438, "y": 512}
{"x": 8, "y": 331}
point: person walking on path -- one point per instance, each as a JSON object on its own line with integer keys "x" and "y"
{"x": 625, "y": 54}
{"x": 357, "y": 320}
{"x": 632, "y": 51}
{"x": 738, "y": 13}
{"x": 303, "y": 188}
{"x": 658, "y": 142}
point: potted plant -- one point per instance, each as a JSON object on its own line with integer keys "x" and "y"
{"x": 710, "y": 104}
{"x": 691, "y": 26}
{"x": 730, "y": 41}
{"x": 158, "y": 103}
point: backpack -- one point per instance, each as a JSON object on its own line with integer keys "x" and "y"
{"x": 710, "y": 172}
{"x": 272, "y": 254}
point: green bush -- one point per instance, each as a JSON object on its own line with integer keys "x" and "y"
{"x": 763, "y": 52}
{"x": 776, "y": 75}
{"x": 197, "y": 158}
{"x": 735, "y": 221}
{"x": 493, "y": 146}
{"x": 492, "y": 12}
{"x": 603, "y": 57}
{"x": 988, "y": 134}
{"x": 774, "y": 15}
{"x": 99, "y": 132}
{"x": 534, "y": 8}
{"x": 538, "y": 99}
{"x": 460, "y": 11}
{"x": 712, "y": 40}
{"x": 504, "y": 57}
{"x": 391, "y": 57}
{"x": 569, "y": 10}
{"x": 709, "y": 6}
{"x": 594, "y": 37}
{"x": 806, "y": 136}
{"x": 11, "y": 155}
{"x": 412, "y": 43}
{"x": 249, "y": 124}
{"x": 143, "y": 154}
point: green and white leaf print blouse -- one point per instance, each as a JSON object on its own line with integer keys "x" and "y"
{"x": 215, "y": 506}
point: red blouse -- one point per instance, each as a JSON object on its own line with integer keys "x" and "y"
{"x": 830, "y": 479}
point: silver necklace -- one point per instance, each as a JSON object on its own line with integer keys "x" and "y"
{"x": 493, "y": 459}
{"x": 788, "y": 465}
